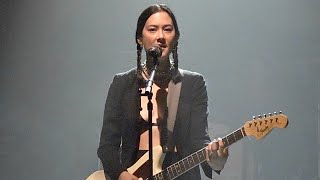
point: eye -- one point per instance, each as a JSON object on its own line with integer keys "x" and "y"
{"x": 168, "y": 29}
{"x": 152, "y": 29}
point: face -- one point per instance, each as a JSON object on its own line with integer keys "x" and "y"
{"x": 159, "y": 31}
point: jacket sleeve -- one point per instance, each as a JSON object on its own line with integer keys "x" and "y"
{"x": 110, "y": 139}
{"x": 199, "y": 123}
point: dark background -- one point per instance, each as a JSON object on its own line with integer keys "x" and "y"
{"x": 58, "y": 58}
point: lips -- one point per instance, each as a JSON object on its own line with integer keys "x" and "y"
{"x": 162, "y": 45}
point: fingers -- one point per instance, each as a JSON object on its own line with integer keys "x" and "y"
{"x": 216, "y": 147}
{"x": 211, "y": 149}
{"x": 222, "y": 151}
{"x": 213, "y": 146}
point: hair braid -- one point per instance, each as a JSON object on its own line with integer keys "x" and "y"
{"x": 139, "y": 49}
{"x": 175, "y": 57}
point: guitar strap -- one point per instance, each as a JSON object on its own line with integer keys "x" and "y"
{"x": 172, "y": 104}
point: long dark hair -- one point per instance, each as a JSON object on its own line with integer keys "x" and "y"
{"x": 140, "y": 25}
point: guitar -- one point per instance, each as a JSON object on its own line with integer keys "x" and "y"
{"x": 258, "y": 127}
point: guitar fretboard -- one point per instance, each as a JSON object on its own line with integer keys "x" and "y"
{"x": 196, "y": 158}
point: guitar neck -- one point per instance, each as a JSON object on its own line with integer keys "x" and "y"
{"x": 233, "y": 137}
{"x": 196, "y": 158}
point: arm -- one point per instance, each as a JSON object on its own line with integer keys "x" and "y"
{"x": 199, "y": 132}
{"x": 199, "y": 113}
{"x": 110, "y": 139}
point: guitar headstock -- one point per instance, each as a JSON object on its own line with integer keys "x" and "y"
{"x": 261, "y": 126}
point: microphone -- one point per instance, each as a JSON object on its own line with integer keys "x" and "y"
{"x": 155, "y": 52}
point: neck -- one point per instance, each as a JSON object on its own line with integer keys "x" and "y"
{"x": 164, "y": 64}
{"x": 164, "y": 71}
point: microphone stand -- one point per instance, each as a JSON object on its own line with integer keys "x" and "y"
{"x": 148, "y": 93}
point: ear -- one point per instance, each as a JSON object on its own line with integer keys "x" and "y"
{"x": 139, "y": 41}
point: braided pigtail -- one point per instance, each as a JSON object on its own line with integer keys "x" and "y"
{"x": 139, "y": 66}
{"x": 176, "y": 75}
{"x": 139, "y": 49}
{"x": 175, "y": 57}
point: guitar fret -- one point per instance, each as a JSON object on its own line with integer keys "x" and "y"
{"x": 159, "y": 176}
{"x": 166, "y": 174}
{"x": 185, "y": 160}
{"x": 193, "y": 162}
{"x": 172, "y": 173}
{"x": 203, "y": 154}
{"x": 227, "y": 141}
{"x": 200, "y": 156}
{"x": 239, "y": 134}
{"x": 194, "y": 157}
{"x": 177, "y": 168}
{"x": 183, "y": 169}
{"x": 199, "y": 160}
{"x": 234, "y": 136}
{"x": 190, "y": 161}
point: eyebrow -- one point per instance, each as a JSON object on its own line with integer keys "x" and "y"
{"x": 166, "y": 25}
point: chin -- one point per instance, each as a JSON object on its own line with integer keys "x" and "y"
{"x": 163, "y": 58}
{"x": 165, "y": 54}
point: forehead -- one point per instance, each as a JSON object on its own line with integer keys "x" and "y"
{"x": 159, "y": 18}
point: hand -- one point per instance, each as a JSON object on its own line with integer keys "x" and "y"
{"x": 216, "y": 154}
{"x": 125, "y": 175}
{"x": 216, "y": 147}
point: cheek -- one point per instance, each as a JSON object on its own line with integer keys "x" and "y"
{"x": 148, "y": 38}
{"x": 147, "y": 42}
{"x": 172, "y": 44}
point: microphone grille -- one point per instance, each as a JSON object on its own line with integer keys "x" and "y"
{"x": 155, "y": 52}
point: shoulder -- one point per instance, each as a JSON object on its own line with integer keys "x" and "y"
{"x": 127, "y": 74}
{"x": 126, "y": 78}
{"x": 193, "y": 85}
{"x": 191, "y": 75}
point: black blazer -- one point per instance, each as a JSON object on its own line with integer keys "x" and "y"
{"x": 122, "y": 113}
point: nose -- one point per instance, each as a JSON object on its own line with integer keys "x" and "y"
{"x": 160, "y": 37}
{"x": 160, "y": 34}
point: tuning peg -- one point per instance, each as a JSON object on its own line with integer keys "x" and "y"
{"x": 264, "y": 115}
{"x": 270, "y": 114}
{"x": 253, "y": 117}
{"x": 280, "y": 112}
{"x": 275, "y": 113}
{"x": 259, "y": 116}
